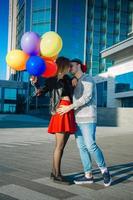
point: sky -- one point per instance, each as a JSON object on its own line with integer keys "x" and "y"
{"x": 4, "y": 11}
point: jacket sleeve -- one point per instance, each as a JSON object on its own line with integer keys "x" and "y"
{"x": 37, "y": 85}
{"x": 86, "y": 96}
{"x": 46, "y": 88}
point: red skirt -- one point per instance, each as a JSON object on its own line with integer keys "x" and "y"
{"x": 62, "y": 123}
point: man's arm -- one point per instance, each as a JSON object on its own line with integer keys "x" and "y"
{"x": 87, "y": 95}
{"x": 85, "y": 98}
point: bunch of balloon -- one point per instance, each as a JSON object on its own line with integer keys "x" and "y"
{"x": 38, "y": 55}
{"x": 50, "y": 46}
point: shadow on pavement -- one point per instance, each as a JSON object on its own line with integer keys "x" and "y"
{"x": 120, "y": 174}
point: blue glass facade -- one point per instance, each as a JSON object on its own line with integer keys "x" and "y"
{"x": 124, "y": 82}
{"x": 42, "y": 16}
{"x": 108, "y": 23}
{"x": 71, "y": 27}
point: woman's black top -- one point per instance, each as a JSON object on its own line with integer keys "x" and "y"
{"x": 62, "y": 86}
{"x": 57, "y": 89}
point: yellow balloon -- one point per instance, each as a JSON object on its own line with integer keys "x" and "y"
{"x": 17, "y": 59}
{"x": 51, "y": 44}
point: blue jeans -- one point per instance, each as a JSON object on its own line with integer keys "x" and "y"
{"x": 85, "y": 137}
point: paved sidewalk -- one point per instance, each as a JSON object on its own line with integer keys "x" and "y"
{"x": 25, "y": 163}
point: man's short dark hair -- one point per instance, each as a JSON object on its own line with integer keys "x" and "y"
{"x": 77, "y": 61}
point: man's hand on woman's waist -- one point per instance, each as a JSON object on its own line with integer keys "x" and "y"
{"x": 64, "y": 109}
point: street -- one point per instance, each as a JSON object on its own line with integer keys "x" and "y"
{"x": 26, "y": 158}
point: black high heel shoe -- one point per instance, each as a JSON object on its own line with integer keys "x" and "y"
{"x": 52, "y": 175}
{"x": 61, "y": 180}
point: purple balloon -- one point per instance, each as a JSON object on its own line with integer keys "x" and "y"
{"x": 30, "y": 43}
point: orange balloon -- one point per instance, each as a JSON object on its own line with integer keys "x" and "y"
{"x": 51, "y": 58}
{"x": 51, "y": 68}
{"x": 54, "y": 57}
{"x": 17, "y": 59}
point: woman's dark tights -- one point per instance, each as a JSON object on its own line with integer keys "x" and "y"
{"x": 61, "y": 140}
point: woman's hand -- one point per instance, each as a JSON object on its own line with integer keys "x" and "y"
{"x": 39, "y": 92}
{"x": 74, "y": 81}
{"x": 33, "y": 79}
{"x": 64, "y": 109}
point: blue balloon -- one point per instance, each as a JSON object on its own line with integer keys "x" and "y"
{"x": 35, "y": 66}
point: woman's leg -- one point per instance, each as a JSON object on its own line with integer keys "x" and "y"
{"x": 65, "y": 142}
{"x": 61, "y": 140}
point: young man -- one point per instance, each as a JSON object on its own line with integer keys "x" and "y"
{"x": 85, "y": 106}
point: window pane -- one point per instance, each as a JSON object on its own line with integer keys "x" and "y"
{"x": 124, "y": 82}
{"x": 102, "y": 94}
{"x": 10, "y": 108}
{"x": 10, "y": 94}
{"x": 40, "y": 4}
{"x": 41, "y": 28}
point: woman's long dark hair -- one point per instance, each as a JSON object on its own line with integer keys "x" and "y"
{"x": 63, "y": 64}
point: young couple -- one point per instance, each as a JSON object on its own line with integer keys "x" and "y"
{"x": 74, "y": 111}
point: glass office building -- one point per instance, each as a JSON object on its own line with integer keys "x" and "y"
{"x": 109, "y": 22}
{"x": 86, "y": 26}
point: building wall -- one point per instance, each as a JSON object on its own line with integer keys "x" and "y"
{"x": 116, "y": 117}
{"x": 114, "y": 99}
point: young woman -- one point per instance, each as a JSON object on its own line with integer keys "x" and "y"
{"x": 61, "y": 91}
